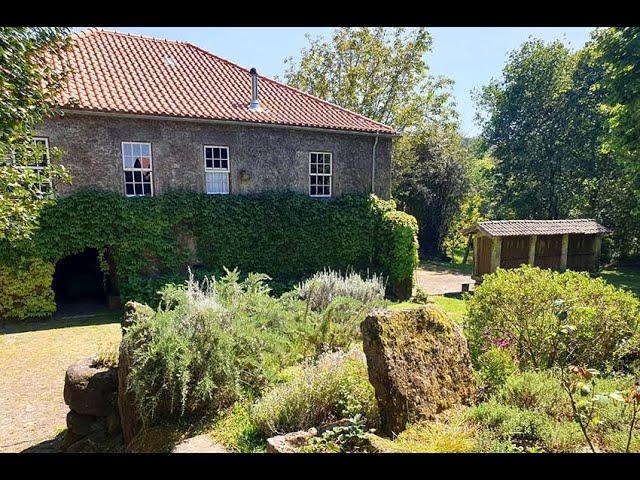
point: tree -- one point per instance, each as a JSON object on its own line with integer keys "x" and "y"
{"x": 430, "y": 180}
{"x": 32, "y": 73}
{"x": 380, "y": 73}
{"x": 618, "y": 50}
{"x": 525, "y": 128}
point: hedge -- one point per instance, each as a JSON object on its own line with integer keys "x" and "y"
{"x": 151, "y": 240}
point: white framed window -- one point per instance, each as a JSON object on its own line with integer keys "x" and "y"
{"x": 42, "y": 185}
{"x": 320, "y": 172}
{"x": 138, "y": 169}
{"x": 216, "y": 169}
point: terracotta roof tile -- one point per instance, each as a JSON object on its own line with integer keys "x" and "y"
{"x": 509, "y": 228}
{"x": 123, "y": 73}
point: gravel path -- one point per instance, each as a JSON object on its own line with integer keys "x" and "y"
{"x": 33, "y": 361}
{"x": 438, "y": 280}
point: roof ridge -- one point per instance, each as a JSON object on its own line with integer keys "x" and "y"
{"x": 542, "y": 220}
{"x": 289, "y": 86}
{"x": 94, "y": 30}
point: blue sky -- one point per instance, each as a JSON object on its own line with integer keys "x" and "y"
{"x": 468, "y": 55}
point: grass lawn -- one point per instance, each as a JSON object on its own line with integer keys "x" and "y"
{"x": 33, "y": 361}
{"x": 623, "y": 277}
{"x": 453, "y": 306}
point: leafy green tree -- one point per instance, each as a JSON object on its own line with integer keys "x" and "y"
{"x": 525, "y": 127}
{"x": 618, "y": 49}
{"x": 378, "y": 72}
{"x": 430, "y": 180}
{"x": 31, "y": 76}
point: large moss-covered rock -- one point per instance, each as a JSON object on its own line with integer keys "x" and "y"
{"x": 418, "y": 363}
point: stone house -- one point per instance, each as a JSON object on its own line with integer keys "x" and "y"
{"x": 142, "y": 116}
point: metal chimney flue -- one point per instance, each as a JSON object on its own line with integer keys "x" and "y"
{"x": 255, "y": 101}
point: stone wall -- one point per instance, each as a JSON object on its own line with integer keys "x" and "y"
{"x": 261, "y": 158}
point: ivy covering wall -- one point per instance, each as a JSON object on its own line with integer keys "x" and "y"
{"x": 151, "y": 241}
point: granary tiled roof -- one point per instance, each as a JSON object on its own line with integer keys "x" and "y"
{"x": 509, "y": 228}
{"x": 121, "y": 73}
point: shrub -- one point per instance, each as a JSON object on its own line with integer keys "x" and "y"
{"x": 207, "y": 346}
{"x": 150, "y": 241}
{"x": 25, "y": 290}
{"x": 450, "y": 435}
{"x": 236, "y": 430}
{"x": 536, "y": 391}
{"x": 526, "y": 309}
{"x": 398, "y": 251}
{"x": 334, "y": 387}
{"x": 512, "y": 423}
{"x": 494, "y": 367}
{"x": 337, "y": 327}
{"x": 323, "y": 287}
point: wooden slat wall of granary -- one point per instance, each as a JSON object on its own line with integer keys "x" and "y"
{"x": 515, "y": 251}
{"x": 548, "y": 251}
{"x": 483, "y": 264}
{"x": 580, "y": 256}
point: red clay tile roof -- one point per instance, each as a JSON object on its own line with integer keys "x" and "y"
{"x": 121, "y": 73}
{"x": 509, "y": 228}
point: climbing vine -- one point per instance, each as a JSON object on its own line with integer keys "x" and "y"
{"x": 151, "y": 241}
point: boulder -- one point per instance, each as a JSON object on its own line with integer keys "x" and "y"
{"x": 418, "y": 363}
{"x": 80, "y": 424}
{"x": 291, "y": 442}
{"x": 90, "y": 390}
{"x": 133, "y": 311}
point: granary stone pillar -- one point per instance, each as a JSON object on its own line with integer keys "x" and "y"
{"x": 564, "y": 252}
{"x": 532, "y": 249}
{"x": 597, "y": 250}
{"x": 496, "y": 251}
{"x": 475, "y": 253}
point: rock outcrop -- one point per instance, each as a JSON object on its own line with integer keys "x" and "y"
{"x": 418, "y": 363}
{"x": 291, "y": 442}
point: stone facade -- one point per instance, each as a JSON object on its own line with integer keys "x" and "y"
{"x": 262, "y": 158}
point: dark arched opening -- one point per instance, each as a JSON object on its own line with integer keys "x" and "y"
{"x": 79, "y": 283}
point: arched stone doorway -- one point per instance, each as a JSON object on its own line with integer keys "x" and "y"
{"x": 79, "y": 284}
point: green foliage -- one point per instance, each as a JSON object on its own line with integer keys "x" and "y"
{"x": 336, "y": 327}
{"x": 511, "y": 423}
{"x": 532, "y": 412}
{"x": 618, "y": 49}
{"x": 151, "y": 241}
{"x": 348, "y": 438}
{"x": 236, "y": 430}
{"x": 430, "y": 179}
{"x": 398, "y": 251}
{"x": 526, "y": 310}
{"x": 25, "y": 289}
{"x": 378, "y": 72}
{"x": 334, "y": 387}
{"x": 207, "y": 346}
{"x": 495, "y": 366}
{"x": 323, "y": 287}
{"x": 29, "y": 84}
{"x": 536, "y": 391}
